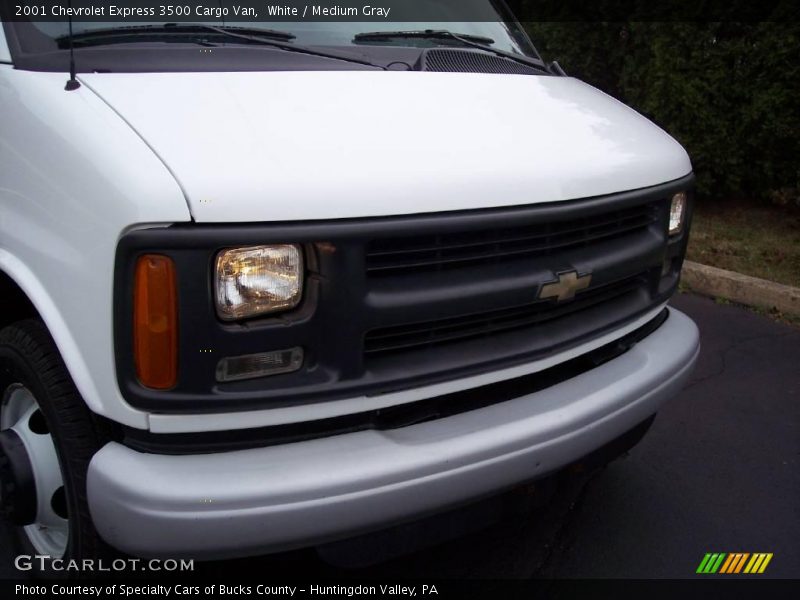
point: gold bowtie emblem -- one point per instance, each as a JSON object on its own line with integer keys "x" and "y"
{"x": 566, "y": 287}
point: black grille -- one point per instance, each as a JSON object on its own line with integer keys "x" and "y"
{"x": 467, "y": 61}
{"x": 436, "y": 252}
{"x": 415, "y": 336}
{"x": 408, "y": 301}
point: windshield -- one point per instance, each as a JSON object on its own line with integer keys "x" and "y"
{"x": 97, "y": 48}
{"x": 505, "y": 36}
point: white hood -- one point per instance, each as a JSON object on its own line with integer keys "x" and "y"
{"x": 326, "y": 145}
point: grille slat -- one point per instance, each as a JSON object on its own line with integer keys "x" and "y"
{"x": 441, "y": 261}
{"x": 416, "y": 336}
{"x": 392, "y": 256}
{"x": 632, "y": 222}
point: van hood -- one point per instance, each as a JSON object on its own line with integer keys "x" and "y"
{"x": 329, "y": 145}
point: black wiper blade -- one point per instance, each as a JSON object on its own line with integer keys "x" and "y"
{"x": 233, "y": 31}
{"x": 422, "y": 34}
{"x": 475, "y": 41}
{"x": 255, "y": 31}
{"x": 230, "y": 32}
{"x": 253, "y": 35}
{"x": 122, "y": 35}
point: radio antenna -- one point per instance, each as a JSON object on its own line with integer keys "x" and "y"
{"x": 72, "y": 82}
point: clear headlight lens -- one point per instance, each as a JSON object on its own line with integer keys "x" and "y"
{"x": 677, "y": 211}
{"x": 258, "y": 280}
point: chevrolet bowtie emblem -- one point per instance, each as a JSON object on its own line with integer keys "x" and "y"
{"x": 566, "y": 287}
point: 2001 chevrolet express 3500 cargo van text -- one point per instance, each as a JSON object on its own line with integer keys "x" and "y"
{"x": 267, "y": 289}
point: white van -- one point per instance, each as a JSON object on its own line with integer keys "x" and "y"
{"x": 267, "y": 287}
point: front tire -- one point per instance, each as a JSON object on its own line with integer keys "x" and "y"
{"x": 43, "y": 478}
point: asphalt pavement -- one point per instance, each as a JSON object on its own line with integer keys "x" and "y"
{"x": 718, "y": 472}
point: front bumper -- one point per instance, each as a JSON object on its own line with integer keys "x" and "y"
{"x": 281, "y": 497}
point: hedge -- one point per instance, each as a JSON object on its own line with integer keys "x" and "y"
{"x": 729, "y": 92}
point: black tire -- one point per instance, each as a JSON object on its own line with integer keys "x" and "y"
{"x": 29, "y": 356}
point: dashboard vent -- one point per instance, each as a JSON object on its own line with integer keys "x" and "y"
{"x": 445, "y": 60}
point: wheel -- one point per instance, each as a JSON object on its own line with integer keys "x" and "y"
{"x": 47, "y": 438}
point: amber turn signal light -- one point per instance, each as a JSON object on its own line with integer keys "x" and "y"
{"x": 155, "y": 322}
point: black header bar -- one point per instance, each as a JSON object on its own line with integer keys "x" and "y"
{"x": 266, "y": 11}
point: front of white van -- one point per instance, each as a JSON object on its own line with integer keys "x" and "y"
{"x": 386, "y": 268}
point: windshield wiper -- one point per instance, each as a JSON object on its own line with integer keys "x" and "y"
{"x": 265, "y": 37}
{"x": 122, "y": 35}
{"x": 475, "y": 41}
{"x": 422, "y": 34}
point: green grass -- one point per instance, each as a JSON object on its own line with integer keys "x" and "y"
{"x": 761, "y": 241}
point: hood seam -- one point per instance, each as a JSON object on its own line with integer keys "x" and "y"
{"x": 146, "y": 143}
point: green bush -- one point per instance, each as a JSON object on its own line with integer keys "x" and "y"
{"x": 727, "y": 91}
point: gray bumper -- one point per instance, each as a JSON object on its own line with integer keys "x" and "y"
{"x": 281, "y": 497}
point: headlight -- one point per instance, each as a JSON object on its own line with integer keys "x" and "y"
{"x": 677, "y": 212}
{"x": 258, "y": 280}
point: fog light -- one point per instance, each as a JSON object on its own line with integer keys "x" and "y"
{"x": 263, "y": 364}
{"x": 677, "y": 211}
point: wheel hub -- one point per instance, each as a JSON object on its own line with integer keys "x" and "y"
{"x": 32, "y": 491}
{"x": 17, "y": 484}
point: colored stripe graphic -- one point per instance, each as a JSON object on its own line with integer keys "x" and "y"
{"x": 703, "y": 563}
{"x": 765, "y": 563}
{"x": 757, "y": 558}
{"x": 718, "y": 562}
{"x": 729, "y": 562}
{"x": 734, "y": 562}
{"x": 711, "y": 562}
{"x": 758, "y": 563}
{"x": 741, "y": 562}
